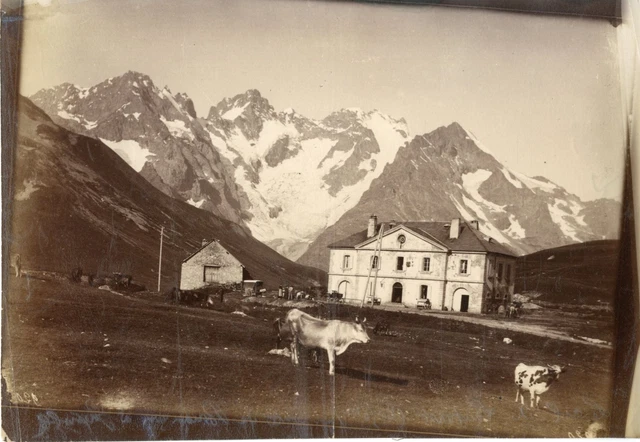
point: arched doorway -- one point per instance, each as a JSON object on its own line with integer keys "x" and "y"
{"x": 396, "y": 292}
{"x": 343, "y": 288}
{"x": 461, "y": 300}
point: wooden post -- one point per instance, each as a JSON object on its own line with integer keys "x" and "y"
{"x": 376, "y": 252}
{"x": 160, "y": 260}
{"x": 375, "y": 277}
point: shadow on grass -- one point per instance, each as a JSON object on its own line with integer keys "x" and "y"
{"x": 365, "y": 376}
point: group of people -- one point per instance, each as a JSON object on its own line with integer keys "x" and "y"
{"x": 509, "y": 310}
{"x": 289, "y": 293}
{"x": 285, "y": 292}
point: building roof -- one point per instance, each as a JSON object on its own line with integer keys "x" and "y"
{"x": 469, "y": 239}
{"x": 207, "y": 245}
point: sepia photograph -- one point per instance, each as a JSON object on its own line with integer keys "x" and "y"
{"x": 258, "y": 219}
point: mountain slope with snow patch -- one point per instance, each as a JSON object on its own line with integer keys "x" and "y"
{"x": 445, "y": 174}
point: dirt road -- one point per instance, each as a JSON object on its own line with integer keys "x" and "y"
{"x": 521, "y": 326}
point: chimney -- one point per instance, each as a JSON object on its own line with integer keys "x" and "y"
{"x": 204, "y": 242}
{"x": 454, "y": 230}
{"x": 371, "y": 228}
{"x": 392, "y": 223}
{"x": 474, "y": 224}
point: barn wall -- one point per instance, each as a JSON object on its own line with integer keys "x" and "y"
{"x": 192, "y": 275}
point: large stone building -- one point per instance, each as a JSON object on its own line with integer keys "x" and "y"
{"x": 211, "y": 264}
{"x": 452, "y": 264}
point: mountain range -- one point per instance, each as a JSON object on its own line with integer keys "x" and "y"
{"x": 77, "y": 203}
{"x": 285, "y": 176}
{"x": 447, "y": 174}
{"x": 297, "y": 183}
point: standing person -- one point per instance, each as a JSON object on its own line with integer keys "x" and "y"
{"x": 280, "y": 295}
{"x": 290, "y": 292}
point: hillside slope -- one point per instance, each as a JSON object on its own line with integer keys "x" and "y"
{"x": 77, "y": 203}
{"x": 575, "y": 274}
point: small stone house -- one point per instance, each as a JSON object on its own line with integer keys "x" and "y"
{"x": 450, "y": 264}
{"x": 211, "y": 264}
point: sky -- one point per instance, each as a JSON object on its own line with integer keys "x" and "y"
{"x": 542, "y": 93}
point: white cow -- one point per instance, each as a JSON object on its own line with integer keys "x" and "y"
{"x": 535, "y": 379}
{"x": 333, "y": 335}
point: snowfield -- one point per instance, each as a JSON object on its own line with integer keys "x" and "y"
{"x": 471, "y": 182}
{"x": 563, "y": 220}
{"x": 297, "y": 184}
{"x": 135, "y": 155}
{"x": 178, "y": 128}
{"x": 197, "y": 204}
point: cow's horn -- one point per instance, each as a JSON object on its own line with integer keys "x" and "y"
{"x": 357, "y": 320}
{"x": 364, "y": 320}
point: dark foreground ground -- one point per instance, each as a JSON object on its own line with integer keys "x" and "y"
{"x": 82, "y": 363}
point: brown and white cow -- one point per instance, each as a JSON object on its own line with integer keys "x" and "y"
{"x": 535, "y": 379}
{"x": 333, "y": 335}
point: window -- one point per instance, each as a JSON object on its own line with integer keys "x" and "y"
{"x": 424, "y": 290}
{"x": 346, "y": 262}
{"x": 426, "y": 264}
{"x": 500, "y": 272}
{"x": 464, "y": 266}
{"x": 211, "y": 273}
{"x": 400, "y": 263}
{"x": 374, "y": 262}
{"x": 508, "y": 275}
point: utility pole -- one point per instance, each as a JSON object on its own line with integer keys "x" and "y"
{"x": 160, "y": 260}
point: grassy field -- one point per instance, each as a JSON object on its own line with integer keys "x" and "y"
{"x": 84, "y": 350}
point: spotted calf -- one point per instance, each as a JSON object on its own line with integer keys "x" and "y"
{"x": 535, "y": 379}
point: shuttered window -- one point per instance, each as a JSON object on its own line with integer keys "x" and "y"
{"x": 463, "y": 266}
{"x": 211, "y": 273}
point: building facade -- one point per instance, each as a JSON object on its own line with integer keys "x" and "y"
{"x": 212, "y": 264}
{"x": 452, "y": 265}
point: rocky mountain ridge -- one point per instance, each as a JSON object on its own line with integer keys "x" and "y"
{"x": 296, "y": 182}
{"x": 285, "y": 176}
{"x": 77, "y": 203}
{"x": 449, "y": 174}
